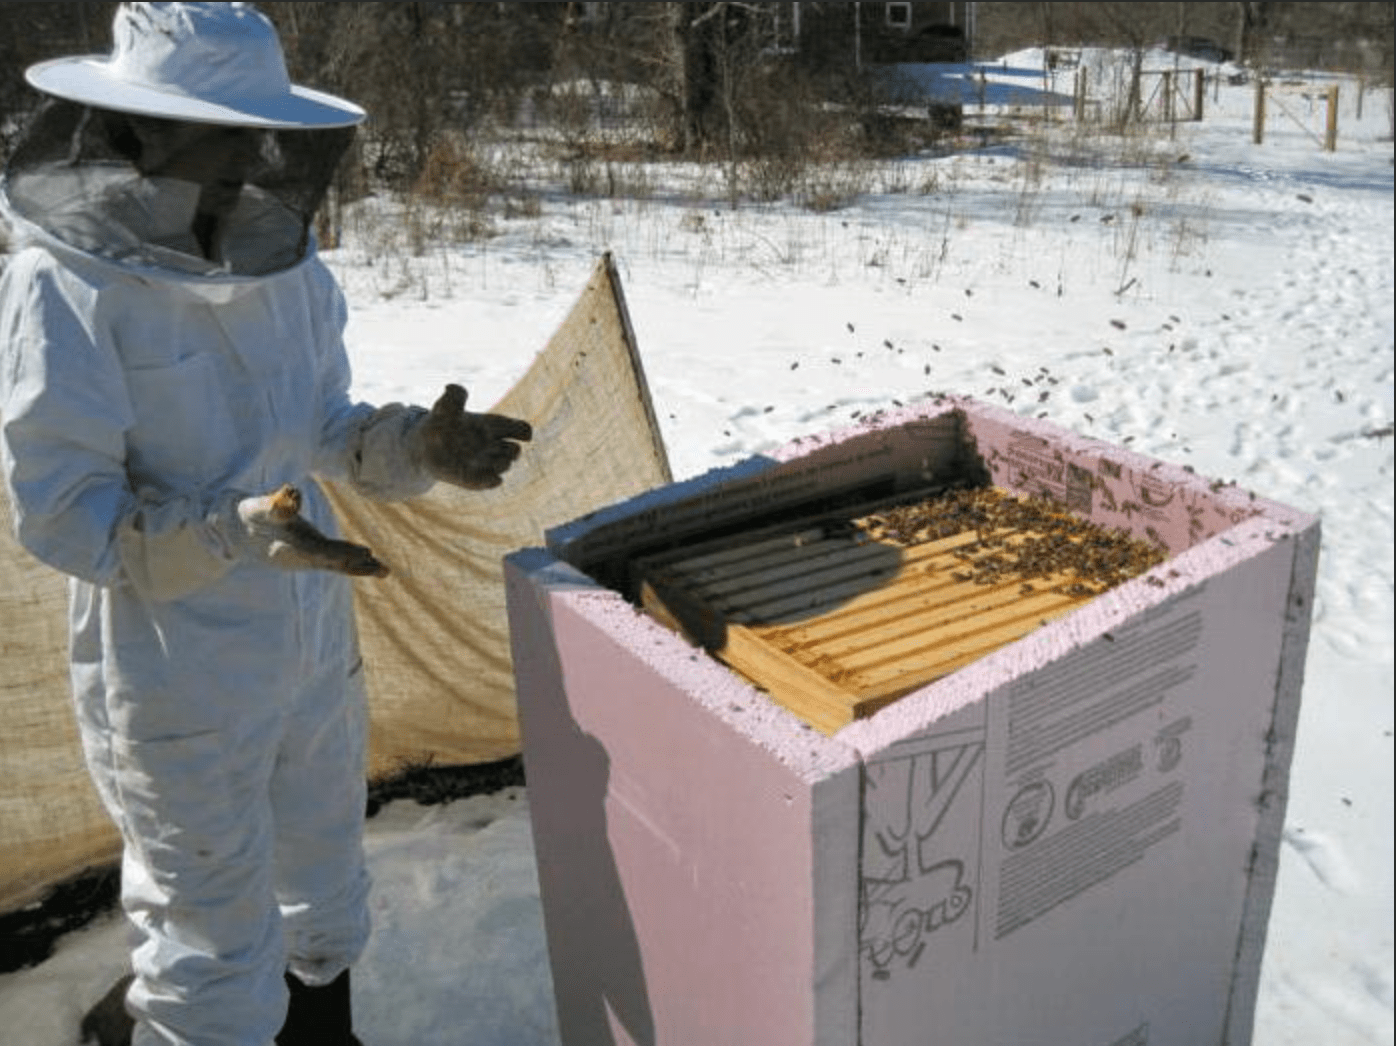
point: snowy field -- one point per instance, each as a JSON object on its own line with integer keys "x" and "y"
{"x": 1200, "y": 298}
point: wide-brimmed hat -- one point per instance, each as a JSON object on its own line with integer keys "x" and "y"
{"x": 209, "y": 63}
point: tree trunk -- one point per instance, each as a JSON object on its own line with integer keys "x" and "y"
{"x": 708, "y": 38}
{"x": 697, "y": 40}
{"x": 1250, "y": 19}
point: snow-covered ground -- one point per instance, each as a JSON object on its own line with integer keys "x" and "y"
{"x": 1203, "y": 299}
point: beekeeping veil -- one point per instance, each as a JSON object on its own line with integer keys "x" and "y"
{"x": 94, "y": 168}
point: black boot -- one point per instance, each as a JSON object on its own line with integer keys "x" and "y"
{"x": 318, "y": 1016}
{"x": 108, "y": 1023}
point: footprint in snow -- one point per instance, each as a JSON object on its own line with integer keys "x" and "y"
{"x": 1377, "y": 981}
{"x": 1325, "y": 859}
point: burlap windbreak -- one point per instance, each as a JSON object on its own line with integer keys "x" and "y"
{"x": 434, "y": 635}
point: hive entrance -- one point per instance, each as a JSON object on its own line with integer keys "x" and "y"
{"x": 837, "y": 617}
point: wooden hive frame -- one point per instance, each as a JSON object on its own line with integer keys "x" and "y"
{"x": 840, "y": 615}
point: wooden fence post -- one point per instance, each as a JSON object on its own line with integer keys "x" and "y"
{"x": 1330, "y": 142}
{"x": 1258, "y": 131}
{"x": 1199, "y": 95}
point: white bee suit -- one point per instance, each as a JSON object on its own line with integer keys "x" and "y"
{"x": 220, "y": 701}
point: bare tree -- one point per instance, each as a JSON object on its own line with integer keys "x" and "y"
{"x": 432, "y": 72}
{"x": 420, "y": 69}
{"x": 716, "y": 45}
{"x": 1251, "y": 19}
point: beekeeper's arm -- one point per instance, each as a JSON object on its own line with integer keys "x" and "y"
{"x": 65, "y": 413}
{"x": 399, "y": 451}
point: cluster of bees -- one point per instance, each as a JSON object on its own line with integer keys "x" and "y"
{"x": 1028, "y": 541}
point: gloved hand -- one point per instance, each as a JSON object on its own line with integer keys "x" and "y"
{"x": 468, "y": 450}
{"x": 271, "y": 528}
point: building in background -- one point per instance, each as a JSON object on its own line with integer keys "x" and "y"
{"x": 863, "y": 34}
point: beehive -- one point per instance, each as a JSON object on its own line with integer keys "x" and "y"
{"x": 714, "y": 869}
{"x": 838, "y": 616}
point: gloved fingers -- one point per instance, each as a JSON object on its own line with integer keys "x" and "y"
{"x": 477, "y": 480}
{"x": 472, "y": 474}
{"x": 470, "y": 450}
{"x": 476, "y": 468}
{"x": 270, "y": 511}
{"x": 501, "y": 427}
{"x": 497, "y": 455}
{"x": 470, "y": 446}
{"x": 450, "y": 403}
{"x": 284, "y": 505}
{"x": 293, "y": 543}
{"x": 449, "y": 409}
{"x": 300, "y": 546}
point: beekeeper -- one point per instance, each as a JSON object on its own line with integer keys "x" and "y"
{"x": 172, "y": 379}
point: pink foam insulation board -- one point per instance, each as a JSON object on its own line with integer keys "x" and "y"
{"x": 1071, "y": 841}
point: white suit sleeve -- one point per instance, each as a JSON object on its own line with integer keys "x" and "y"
{"x": 364, "y": 445}
{"x": 65, "y": 413}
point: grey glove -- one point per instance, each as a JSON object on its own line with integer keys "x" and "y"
{"x": 272, "y": 529}
{"x": 468, "y": 450}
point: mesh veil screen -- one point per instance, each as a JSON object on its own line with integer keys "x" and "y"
{"x": 75, "y": 174}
